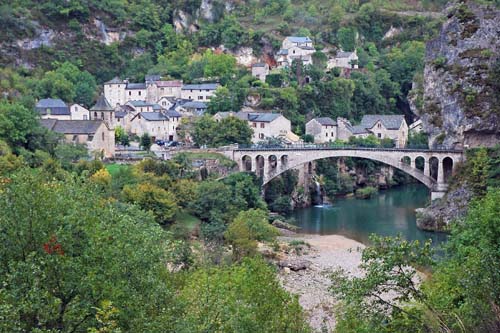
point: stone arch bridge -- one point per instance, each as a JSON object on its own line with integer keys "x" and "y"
{"x": 268, "y": 163}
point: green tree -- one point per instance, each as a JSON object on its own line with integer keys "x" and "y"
{"x": 240, "y": 298}
{"x": 347, "y": 38}
{"x": 161, "y": 203}
{"x": 59, "y": 258}
{"x": 146, "y": 141}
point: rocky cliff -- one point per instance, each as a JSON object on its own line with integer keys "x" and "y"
{"x": 461, "y": 84}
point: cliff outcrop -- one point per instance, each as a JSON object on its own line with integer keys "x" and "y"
{"x": 461, "y": 84}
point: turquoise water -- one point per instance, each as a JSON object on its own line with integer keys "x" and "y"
{"x": 389, "y": 213}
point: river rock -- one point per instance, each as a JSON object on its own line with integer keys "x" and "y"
{"x": 295, "y": 264}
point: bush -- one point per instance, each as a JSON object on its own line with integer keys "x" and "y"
{"x": 366, "y": 192}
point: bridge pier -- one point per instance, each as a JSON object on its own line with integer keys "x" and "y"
{"x": 437, "y": 195}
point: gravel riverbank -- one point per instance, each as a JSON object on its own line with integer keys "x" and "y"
{"x": 327, "y": 254}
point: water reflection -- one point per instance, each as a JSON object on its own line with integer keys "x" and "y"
{"x": 389, "y": 213}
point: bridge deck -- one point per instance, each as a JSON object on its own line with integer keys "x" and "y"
{"x": 323, "y": 147}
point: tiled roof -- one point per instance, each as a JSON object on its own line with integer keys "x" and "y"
{"x": 157, "y": 107}
{"x": 120, "y": 114}
{"x": 102, "y": 104}
{"x": 140, "y": 103}
{"x": 251, "y": 116}
{"x": 392, "y": 122}
{"x": 259, "y": 64}
{"x": 136, "y": 86}
{"x": 72, "y": 126}
{"x": 358, "y": 129}
{"x": 283, "y": 52}
{"x": 154, "y": 116}
{"x": 195, "y": 105}
{"x": 56, "y": 106}
{"x": 343, "y": 54}
{"x": 326, "y": 121}
{"x": 202, "y": 86}
{"x": 296, "y": 39}
{"x": 115, "y": 80}
{"x": 172, "y": 113}
{"x": 175, "y": 83}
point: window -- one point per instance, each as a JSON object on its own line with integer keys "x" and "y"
{"x": 326, "y": 134}
{"x": 293, "y": 51}
{"x": 76, "y": 108}
{"x": 164, "y": 103}
{"x": 102, "y": 115}
{"x": 200, "y": 97}
{"x": 75, "y": 137}
{"x": 379, "y": 125}
{"x": 332, "y": 134}
{"x": 102, "y": 136}
{"x": 379, "y": 135}
{"x": 118, "y": 119}
{"x": 85, "y": 117}
{"x": 254, "y": 125}
{"x": 158, "y": 129}
{"x": 191, "y": 90}
{"x": 130, "y": 93}
{"x": 90, "y": 137}
{"x": 262, "y": 125}
{"x": 95, "y": 115}
{"x": 261, "y": 135}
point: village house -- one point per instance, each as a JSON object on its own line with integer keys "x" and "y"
{"x": 174, "y": 118}
{"x": 95, "y": 134}
{"x": 393, "y": 127}
{"x": 123, "y": 116}
{"x": 155, "y": 124}
{"x": 192, "y": 108}
{"x": 119, "y": 92}
{"x": 323, "y": 129}
{"x": 264, "y": 125}
{"x": 416, "y": 127}
{"x": 295, "y": 48}
{"x": 49, "y": 108}
{"x": 102, "y": 110}
{"x": 343, "y": 60}
{"x": 167, "y": 102}
{"x": 79, "y": 112}
{"x": 198, "y": 92}
{"x": 260, "y": 71}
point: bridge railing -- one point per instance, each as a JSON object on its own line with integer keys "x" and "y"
{"x": 332, "y": 146}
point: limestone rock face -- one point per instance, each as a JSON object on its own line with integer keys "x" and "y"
{"x": 460, "y": 87}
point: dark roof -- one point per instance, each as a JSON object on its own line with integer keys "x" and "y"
{"x": 195, "y": 105}
{"x": 56, "y": 106}
{"x": 307, "y": 48}
{"x": 102, "y": 104}
{"x": 252, "y": 116}
{"x": 392, "y": 122}
{"x": 326, "y": 121}
{"x": 172, "y": 113}
{"x": 152, "y": 77}
{"x": 136, "y": 86}
{"x": 296, "y": 39}
{"x": 259, "y": 64}
{"x": 115, "y": 80}
{"x": 283, "y": 52}
{"x": 358, "y": 129}
{"x": 140, "y": 103}
{"x": 154, "y": 116}
{"x": 72, "y": 126}
{"x": 202, "y": 86}
{"x": 120, "y": 114}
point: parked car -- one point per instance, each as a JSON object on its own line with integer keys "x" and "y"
{"x": 173, "y": 144}
{"x": 160, "y": 142}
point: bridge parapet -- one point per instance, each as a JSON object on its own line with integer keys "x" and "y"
{"x": 430, "y": 167}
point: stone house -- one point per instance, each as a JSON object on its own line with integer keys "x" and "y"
{"x": 79, "y": 112}
{"x": 387, "y": 126}
{"x": 50, "y": 108}
{"x": 95, "y": 134}
{"x": 123, "y": 116}
{"x": 136, "y": 92}
{"x": 174, "y": 118}
{"x": 167, "y": 89}
{"x": 102, "y": 110}
{"x": 198, "y": 92}
{"x": 323, "y": 129}
{"x": 264, "y": 125}
{"x": 166, "y": 102}
{"x": 260, "y": 71}
{"x": 295, "y": 48}
{"x": 156, "y": 124}
{"x": 114, "y": 91}
{"x": 344, "y": 60}
{"x": 193, "y": 108}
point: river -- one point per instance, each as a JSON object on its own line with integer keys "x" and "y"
{"x": 388, "y": 213}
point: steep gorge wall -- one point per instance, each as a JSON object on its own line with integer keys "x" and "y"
{"x": 461, "y": 103}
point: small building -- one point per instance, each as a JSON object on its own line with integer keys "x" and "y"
{"x": 344, "y": 60}
{"x": 141, "y": 106}
{"x": 155, "y": 124}
{"x": 102, "y": 110}
{"x": 79, "y": 112}
{"x": 123, "y": 116}
{"x": 136, "y": 91}
{"x": 114, "y": 91}
{"x": 168, "y": 89}
{"x": 174, "y": 118}
{"x": 260, "y": 71}
{"x": 295, "y": 48}
{"x": 416, "y": 127}
{"x": 323, "y": 129}
{"x": 198, "y": 92}
{"x": 166, "y": 102}
{"x": 193, "y": 108}
{"x": 264, "y": 125}
{"x": 50, "y": 108}
{"x": 95, "y": 134}
{"x": 387, "y": 126}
